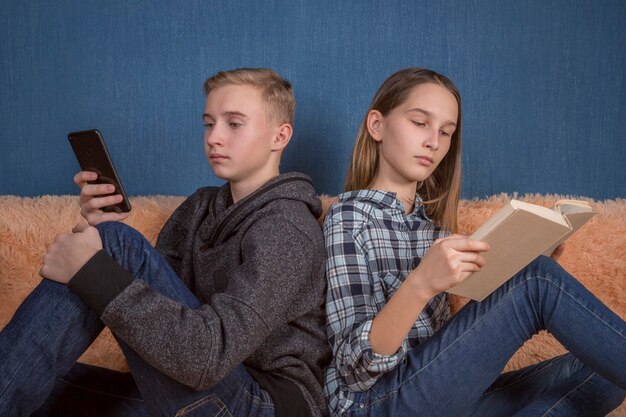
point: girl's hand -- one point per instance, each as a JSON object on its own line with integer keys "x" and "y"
{"x": 558, "y": 252}
{"x": 91, "y": 203}
{"x": 449, "y": 261}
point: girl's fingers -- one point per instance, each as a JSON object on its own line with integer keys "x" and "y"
{"x": 469, "y": 245}
{"x": 472, "y": 257}
{"x": 450, "y": 237}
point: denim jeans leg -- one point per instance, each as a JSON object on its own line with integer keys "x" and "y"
{"x": 92, "y": 391}
{"x": 237, "y": 394}
{"x": 561, "y": 386}
{"x": 43, "y": 340}
{"x": 448, "y": 373}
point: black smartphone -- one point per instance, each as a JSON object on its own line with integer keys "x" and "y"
{"x": 92, "y": 155}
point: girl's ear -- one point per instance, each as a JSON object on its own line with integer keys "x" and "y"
{"x": 374, "y": 124}
{"x": 282, "y": 137}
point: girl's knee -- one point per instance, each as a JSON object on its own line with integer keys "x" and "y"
{"x": 545, "y": 267}
{"x": 542, "y": 273}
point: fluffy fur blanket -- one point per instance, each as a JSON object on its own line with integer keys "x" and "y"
{"x": 596, "y": 255}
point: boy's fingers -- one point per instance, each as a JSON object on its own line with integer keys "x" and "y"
{"x": 101, "y": 217}
{"x": 80, "y": 227}
{"x": 97, "y": 189}
{"x": 112, "y": 217}
{"x": 83, "y": 176}
{"x": 100, "y": 202}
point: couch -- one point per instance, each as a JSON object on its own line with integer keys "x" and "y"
{"x": 596, "y": 255}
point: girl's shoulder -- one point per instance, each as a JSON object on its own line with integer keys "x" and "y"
{"x": 354, "y": 208}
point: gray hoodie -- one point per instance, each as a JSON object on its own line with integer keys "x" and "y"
{"x": 256, "y": 266}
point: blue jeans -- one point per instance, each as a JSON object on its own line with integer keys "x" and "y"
{"x": 53, "y": 327}
{"x": 457, "y": 372}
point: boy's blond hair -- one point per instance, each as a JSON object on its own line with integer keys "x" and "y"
{"x": 275, "y": 90}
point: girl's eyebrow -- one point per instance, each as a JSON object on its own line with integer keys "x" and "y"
{"x": 429, "y": 114}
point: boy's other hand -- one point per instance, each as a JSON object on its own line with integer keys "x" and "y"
{"x": 69, "y": 252}
{"x": 91, "y": 203}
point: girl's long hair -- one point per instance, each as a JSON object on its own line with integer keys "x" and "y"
{"x": 442, "y": 189}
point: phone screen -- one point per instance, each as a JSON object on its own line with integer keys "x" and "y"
{"x": 92, "y": 155}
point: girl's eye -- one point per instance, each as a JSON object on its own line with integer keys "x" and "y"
{"x": 209, "y": 125}
{"x": 418, "y": 123}
{"x": 444, "y": 133}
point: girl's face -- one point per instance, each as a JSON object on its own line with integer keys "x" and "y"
{"x": 415, "y": 136}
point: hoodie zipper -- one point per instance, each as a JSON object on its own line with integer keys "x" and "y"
{"x": 218, "y": 231}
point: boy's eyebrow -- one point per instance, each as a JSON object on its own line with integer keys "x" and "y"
{"x": 228, "y": 113}
{"x": 427, "y": 113}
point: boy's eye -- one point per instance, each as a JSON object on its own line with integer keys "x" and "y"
{"x": 208, "y": 125}
{"x": 234, "y": 125}
{"x": 418, "y": 123}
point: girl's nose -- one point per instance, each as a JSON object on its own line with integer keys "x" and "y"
{"x": 432, "y": 142}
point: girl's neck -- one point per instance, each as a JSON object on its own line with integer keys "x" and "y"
{"x": 404, "y": 192}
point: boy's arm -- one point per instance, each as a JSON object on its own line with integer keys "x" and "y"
{"x": 199, "y": 347}
{"x": 173, "y": 234}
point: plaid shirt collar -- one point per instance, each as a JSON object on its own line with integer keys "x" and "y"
{"x": 383, "y": 199}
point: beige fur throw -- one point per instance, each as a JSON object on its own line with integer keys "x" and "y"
{"x": 596, "y": 255}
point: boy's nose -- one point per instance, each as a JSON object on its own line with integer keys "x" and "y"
{"x": 213, "y": 137}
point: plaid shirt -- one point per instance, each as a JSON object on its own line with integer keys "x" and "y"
{"x": 371, "y": 246}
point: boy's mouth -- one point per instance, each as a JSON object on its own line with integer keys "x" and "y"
{"x": 217, "y": 157}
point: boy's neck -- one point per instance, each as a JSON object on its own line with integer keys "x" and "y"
{"x": 243, "y": 188}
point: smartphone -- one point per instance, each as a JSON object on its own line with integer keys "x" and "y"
{"x": 92, "y": 155}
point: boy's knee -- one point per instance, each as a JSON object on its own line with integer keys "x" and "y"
{"x": 117, "y": 232}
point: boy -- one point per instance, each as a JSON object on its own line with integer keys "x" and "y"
{"x": 224, "y": 317}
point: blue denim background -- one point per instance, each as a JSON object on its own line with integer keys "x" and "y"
{"x": 543, "y": 85}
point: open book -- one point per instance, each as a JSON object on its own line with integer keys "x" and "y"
{"x": 517, "y": 234}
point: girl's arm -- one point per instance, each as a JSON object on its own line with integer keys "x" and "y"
{"x": 352, "y": 301}
{"x": 449, "y": 261}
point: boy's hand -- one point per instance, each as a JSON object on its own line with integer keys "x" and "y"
{"x": 69, "y": 252}
{"x": 449, "y": 261}
{"x": 91, "y": 204}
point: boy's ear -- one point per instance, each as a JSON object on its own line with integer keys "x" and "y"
{"x": 375, "y": 124}
{"x": 282, "y": 137}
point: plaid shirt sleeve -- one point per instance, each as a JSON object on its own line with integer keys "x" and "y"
{"x": 351, "y": 307}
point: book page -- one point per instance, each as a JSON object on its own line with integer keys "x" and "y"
{"x": 548, "y": 213}
{"x": 577, "y": 213}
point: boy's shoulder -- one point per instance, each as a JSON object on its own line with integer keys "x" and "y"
{"x": 295, "y": 213}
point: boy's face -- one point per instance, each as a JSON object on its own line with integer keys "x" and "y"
{"x": 238, "y": 133}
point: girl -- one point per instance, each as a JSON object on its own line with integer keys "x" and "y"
{"x": 391, "y": 258}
